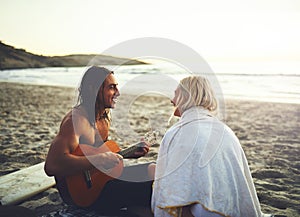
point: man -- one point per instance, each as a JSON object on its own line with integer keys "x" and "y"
{"x": 88, "y": 123}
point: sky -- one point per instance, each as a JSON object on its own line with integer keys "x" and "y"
{"x": 214, "y": 29}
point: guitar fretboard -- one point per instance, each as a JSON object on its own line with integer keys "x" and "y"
{"x": 150, "y": 137}
{"x": 129, "y": 151}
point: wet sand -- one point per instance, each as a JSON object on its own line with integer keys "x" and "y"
{"x": 269, "y": 133}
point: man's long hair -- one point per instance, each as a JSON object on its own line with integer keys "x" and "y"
{"x": 88, "y": 92}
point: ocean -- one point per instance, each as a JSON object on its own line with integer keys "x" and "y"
{"x": 272, "y": 81}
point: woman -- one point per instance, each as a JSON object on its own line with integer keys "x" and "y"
{"x": 201, "y": 167}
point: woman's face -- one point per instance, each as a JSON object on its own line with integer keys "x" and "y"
{"x": 174, "y": 101}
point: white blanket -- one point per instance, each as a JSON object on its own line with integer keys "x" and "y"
{"x": 201, "y": 161}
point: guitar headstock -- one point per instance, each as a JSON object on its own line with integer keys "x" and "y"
{"x": 151, "y": 137}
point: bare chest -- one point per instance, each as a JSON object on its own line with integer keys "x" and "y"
{"x": 96, "y": 136}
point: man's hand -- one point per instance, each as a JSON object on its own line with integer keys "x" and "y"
{"x": 143, "y": 149}
{"x": 108, "y": 160}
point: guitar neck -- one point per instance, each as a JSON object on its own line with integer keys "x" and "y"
{"x": 131, "y": 150}
{"x": 150, "y": 137}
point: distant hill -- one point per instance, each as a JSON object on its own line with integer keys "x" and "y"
{"x": 13, "y": 58}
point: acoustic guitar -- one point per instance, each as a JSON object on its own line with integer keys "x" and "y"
{"x": 83, "y": 189}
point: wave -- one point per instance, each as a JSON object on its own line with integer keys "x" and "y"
{"x": 277, "y": 86}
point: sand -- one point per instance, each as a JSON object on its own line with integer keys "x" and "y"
{"x": 268, "y": 132}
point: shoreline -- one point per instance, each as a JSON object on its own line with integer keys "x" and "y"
{"x": 268, "y": 133}
{"x": 227, "y": 99}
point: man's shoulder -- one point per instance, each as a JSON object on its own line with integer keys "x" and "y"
{"x": 75, "y": 117}
{"x": 78, "y": 111}
{"x": 74, "y": 114}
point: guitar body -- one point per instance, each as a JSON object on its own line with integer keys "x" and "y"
{"x": 81, "y": 193}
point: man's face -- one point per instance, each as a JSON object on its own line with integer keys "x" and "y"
{"x": 110, "y": 92}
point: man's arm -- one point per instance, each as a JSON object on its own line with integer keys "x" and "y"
{"x": 60, "y": 160}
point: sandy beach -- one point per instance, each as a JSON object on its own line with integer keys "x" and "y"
{"x": 268, "y": 132}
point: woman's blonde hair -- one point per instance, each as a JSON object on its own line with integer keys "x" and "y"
{"x": 196, "y": 91}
